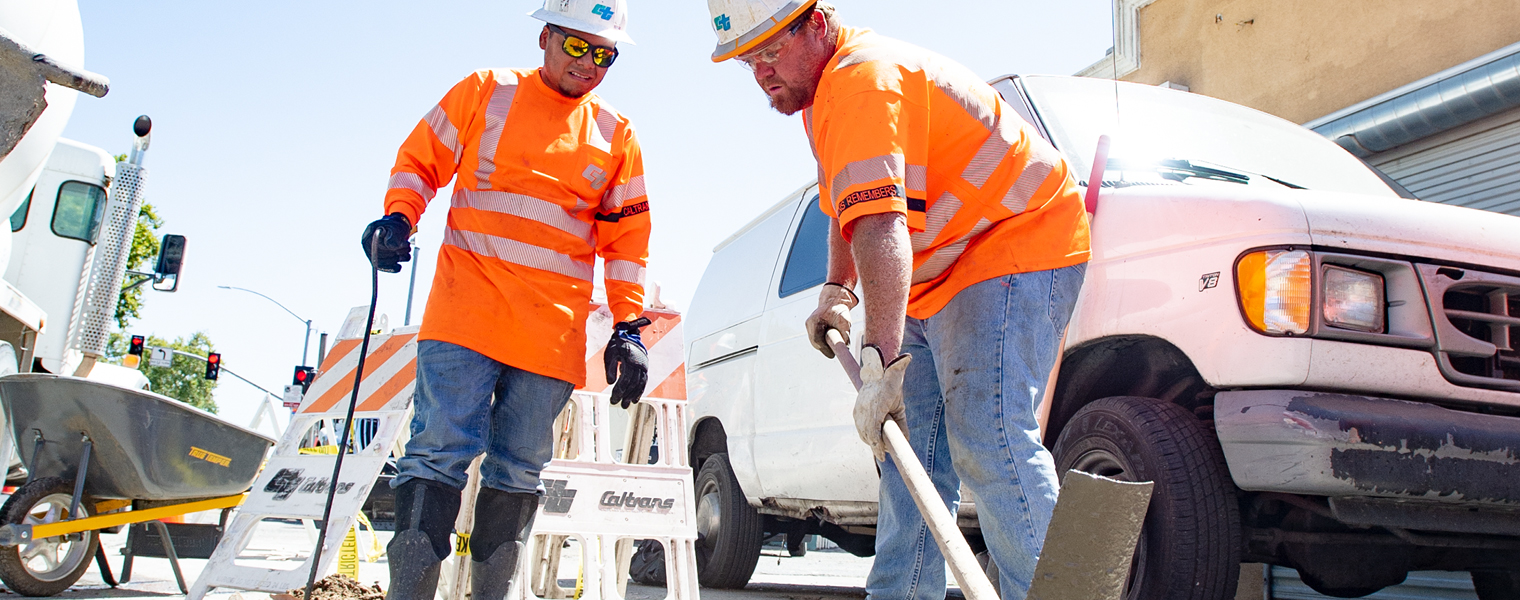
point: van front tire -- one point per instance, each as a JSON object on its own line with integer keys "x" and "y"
{"x": 729, "y": 531}
{"x": 1190, "y": 546}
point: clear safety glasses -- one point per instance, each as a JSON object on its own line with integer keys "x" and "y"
{"x": 601, "y": 56}
{"x": 771, "y": 53}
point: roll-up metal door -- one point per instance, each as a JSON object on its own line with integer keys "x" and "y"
{"x": 1420, "y": 585}
{"x": 1477, "y": 165}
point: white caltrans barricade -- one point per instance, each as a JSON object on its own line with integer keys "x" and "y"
{"x": 601, "y": 489}
{"x": 294, "y": 485}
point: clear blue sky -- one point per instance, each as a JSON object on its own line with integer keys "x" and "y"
{"x": 276, "y": 124}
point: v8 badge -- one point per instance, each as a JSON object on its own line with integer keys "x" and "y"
{"x": 596, "y": 175}
{"x": 1208, "y": 281}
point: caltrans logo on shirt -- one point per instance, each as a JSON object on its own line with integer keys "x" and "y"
{"x": 596, "y": 176}
{"x": 603, "y": 11}
{"x": 723, "y": 23}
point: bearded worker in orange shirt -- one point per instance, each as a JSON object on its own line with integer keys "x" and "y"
{"x": 968, "y": 240}
{"x": 547, "y": 176}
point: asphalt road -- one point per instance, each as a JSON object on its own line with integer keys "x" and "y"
{"x": 820, "y": 575}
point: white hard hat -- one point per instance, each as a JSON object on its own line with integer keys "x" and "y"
{"x": 605, "y": 18}
{"x": 743, "y": 24}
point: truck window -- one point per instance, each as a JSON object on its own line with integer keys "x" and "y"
{"x": 79, "y": 211}
{"x": 807, "y": 264}
{"x": 18, "y": 218}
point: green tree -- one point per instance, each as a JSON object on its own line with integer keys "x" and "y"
{"x": 185, "y": 380}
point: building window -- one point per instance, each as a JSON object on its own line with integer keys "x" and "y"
{"x": 79, "y": 211}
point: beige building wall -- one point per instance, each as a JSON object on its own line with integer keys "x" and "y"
{"x": 1303, "y": 59}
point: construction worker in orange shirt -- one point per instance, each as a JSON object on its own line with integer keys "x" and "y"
{"x": 967, "y": 237}
{"x": 547, "y": 177}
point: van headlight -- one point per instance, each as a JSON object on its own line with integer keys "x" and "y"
{"x": 1276, "y": 290}
{"x": 1353, "y": 300}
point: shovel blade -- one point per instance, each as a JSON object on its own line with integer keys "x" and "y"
{"x": 1091, "y": 540}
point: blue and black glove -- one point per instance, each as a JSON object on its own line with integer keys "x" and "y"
{"x": 627, "y": 362}
{"x": 394, "y": 245}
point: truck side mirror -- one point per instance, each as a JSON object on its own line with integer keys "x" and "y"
{"x": 171, "y": 257}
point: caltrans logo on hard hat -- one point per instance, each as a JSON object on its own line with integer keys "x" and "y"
{"x": 743, "y": 24}
{"x": 605, "y": 18}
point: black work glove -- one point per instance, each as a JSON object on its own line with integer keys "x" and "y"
{"x": 395, "y": 246}
{"x": 626, "y": 350}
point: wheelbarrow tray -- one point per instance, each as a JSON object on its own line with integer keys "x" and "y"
{"x": 145, "y": 446}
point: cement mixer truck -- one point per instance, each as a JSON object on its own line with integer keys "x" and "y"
{"x": 72, "y": 207}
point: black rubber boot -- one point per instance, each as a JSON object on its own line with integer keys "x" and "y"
{"x": 425, "y": 514}
{"x": 503, "y": 521}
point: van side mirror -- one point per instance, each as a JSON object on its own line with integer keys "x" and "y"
{"x": 171, "y": 257}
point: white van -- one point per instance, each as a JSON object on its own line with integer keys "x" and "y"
{"x": 1315, "y": 369}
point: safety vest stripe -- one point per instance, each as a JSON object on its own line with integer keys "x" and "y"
{"x": 411, "y": 181}
{"x": 623, "y": 270}
{"x": 988, "y": 157}
{"x": 992, "y": 153}
{"x": 935, "y": 219}
{"x": 951, "y": 79}
{"x": 621, "y": 194}
{"x": 876, "y": 168}
{"x": 917, "y": 178}
{"x": 606, "y": 128}
{"x": 496, "y": 119}
{"x": 527, "y": 207}
{"x": 518, "y": 253}
{"x": 1042, "y": 162}
{"x": 444, "y": 130}
{"x": 944, "y": 257}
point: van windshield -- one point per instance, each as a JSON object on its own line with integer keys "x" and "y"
{"x": 1161, "y": 136}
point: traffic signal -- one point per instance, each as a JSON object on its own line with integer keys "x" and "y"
{"x": 136, "y": 349}
{"x": 304, "y": 377}
{"x": 213, "y": 365}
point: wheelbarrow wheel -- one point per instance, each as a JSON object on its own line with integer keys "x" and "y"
{"x": 45, "y": 567}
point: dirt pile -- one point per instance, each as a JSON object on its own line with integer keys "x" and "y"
{"x": 336, "y": 587}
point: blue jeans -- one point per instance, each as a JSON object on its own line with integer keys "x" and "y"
{"x": 979, "y": 370}
{"x": 455, "y": 420}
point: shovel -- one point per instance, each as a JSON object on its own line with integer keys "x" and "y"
{"x": 968, "y": 574}
{"x": 1088, "y": 547}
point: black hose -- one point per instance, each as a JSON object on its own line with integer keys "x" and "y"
{"x": 353, "y": 399}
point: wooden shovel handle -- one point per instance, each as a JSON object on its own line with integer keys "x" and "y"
{"x": 968, "y": 574}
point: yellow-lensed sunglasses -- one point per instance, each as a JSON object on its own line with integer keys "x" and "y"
{"x": 601, "y": 56}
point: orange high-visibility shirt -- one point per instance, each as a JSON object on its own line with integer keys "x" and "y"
{"x": 896, "y": 128}
{"x": 543, "y": 184}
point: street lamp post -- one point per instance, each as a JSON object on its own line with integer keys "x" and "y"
{"x": 304, "y": 344}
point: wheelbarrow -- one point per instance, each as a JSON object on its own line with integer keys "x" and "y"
{"x": 99, "y": 457}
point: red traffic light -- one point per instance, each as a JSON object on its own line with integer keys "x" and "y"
{"x": 303, "y": 377}
{"x": 213, "y": 366}
{"x": 136, "y": 347}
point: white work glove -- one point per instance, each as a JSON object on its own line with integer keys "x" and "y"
{"x": 880, "y": 398}
{"x": 834, "y": 304}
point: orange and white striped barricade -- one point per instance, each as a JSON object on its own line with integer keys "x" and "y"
{"x": 295, "y": 485}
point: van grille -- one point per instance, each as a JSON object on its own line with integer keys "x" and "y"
{"x": 1477, "y": 327}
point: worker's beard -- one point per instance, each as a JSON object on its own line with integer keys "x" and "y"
{"x": 793, "y": 97}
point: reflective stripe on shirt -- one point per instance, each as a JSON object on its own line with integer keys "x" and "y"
{"x": 496, "y": 119}
{"x": 622, "y": 270}
{"x": 527, "y": 207}
{"x": 621, "y": 194}
{"x": 606, "y": 129}
{"x": 518, "y": 253}
{"x": 414, "y": 182}
{"x": 444, "y": 130}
